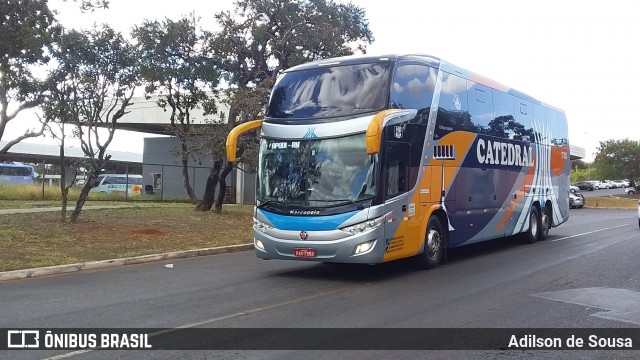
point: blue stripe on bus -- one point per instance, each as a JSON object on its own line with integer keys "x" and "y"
{"x": 308, "y": 223}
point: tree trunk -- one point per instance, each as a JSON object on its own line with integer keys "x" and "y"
{"x": 64, "y": 191}
{"x": 185, "y": 171}
{"x": 65, "y": 200}
{"x": 223, "y": 187}
{"x": 210, "y": 190}
{"x": 84, "y": 193}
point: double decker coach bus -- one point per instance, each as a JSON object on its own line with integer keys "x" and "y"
{"x": 369, "y": 159}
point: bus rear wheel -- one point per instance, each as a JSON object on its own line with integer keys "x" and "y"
{"x": 435, "y": 244}
{"x": 545, "y": 224}
{"x": 531, "y": 236}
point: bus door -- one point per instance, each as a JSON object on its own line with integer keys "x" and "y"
{"x": 401, "y": 229}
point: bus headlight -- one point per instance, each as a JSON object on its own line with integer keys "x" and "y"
{"x": 365, "y": 225}
{"x": 259, "y": 225}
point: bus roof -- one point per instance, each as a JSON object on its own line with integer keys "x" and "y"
{"x": 15, "y": 165}
{"x": 363, "y": 59}
{"x": 429, "y": 60}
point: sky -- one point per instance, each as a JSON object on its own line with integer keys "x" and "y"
{"x": 582, "y": 57}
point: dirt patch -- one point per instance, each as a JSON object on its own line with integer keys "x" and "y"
{"x": 147, "y": 231}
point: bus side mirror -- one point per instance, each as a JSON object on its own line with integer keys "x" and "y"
{"x": 379, "y": 121}
{"x": 232, "y": 138}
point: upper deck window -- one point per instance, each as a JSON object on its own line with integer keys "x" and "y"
{"x": 327, "y": 92}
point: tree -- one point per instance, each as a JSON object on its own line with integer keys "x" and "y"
{"x": 579, "y": 164}
{"x": 57, "y": 110}
{"x": 98, "y": 72}
{"x": 618, "y": 159}
{"x": 26, "y": 35}
{"x": 259, "y": 39}
{"x": 90, "y": 5}
{"x": 177, "y": 67}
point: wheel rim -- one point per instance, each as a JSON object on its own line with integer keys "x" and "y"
{"x": 533, "y": 224}
{"x": 434, "y": 240}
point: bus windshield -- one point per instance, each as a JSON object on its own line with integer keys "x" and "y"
{"x": 318, "y": 172}
{"x": 324, "y": 92}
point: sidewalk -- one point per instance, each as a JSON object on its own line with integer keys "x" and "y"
{"x": 91, "y": 265}
{"x": 69, "y": 209}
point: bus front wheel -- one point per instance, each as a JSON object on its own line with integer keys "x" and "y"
{"x": 531, "y": 236}
{"x": 435, "y": 244}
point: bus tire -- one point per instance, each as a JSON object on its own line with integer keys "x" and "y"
{"x": 531, "y": 236}
{"x": 545, "y": 224}
{"x": 435, "y": 244}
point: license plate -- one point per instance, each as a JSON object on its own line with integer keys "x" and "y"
{"x": 308, "y": 253}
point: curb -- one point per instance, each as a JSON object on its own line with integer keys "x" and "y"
{"x": 91, "y": 265}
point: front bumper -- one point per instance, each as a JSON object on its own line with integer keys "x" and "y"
{"x": 330, "y": 246}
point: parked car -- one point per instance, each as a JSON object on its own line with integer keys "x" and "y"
{"x": 601, "y": 185}
{"x": 618, "y": 183}
{"x": 574, "y": 189}
{"x": 630, "y": 191}
{"x": 576, "y": 200}
{"x": 585, "y": 185}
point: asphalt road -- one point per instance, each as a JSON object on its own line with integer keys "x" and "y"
{"x": 586, "y": 275}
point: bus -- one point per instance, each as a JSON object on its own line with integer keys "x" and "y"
{"x": 16, "y": 174}
{"x": 368, "y": 159}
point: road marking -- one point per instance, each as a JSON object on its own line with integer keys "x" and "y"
{"x": 221, "y": 318}
{"x": 619, "y": 304}
{"x": 587, "y": 233}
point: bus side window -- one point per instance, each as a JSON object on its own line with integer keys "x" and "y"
{"x": 539, "y": 123}
{"x": 522, "y": 129}
{"x": 453, "y": 107}
{"x": 396, "y": 169}
{"x": 481, "y": 109}
{"x": 503, "y": 112}
{"x": 412, "y": 88}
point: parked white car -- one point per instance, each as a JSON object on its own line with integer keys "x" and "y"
{"x": 601, "y": 185}
{"x": 618, "y": 183}
{"x": 630, "y": 191}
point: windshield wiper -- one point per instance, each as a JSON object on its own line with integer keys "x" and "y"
{"x": 359, "y": 206}
{"x": 264, "y": 203}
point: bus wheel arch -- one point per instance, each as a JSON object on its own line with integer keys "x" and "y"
{"x": 435, "y": 242}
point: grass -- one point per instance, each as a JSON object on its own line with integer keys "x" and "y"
{"x": 36, "y": 240}
{"x": 34, "y": 192}
{"x": 613, "y": 202}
